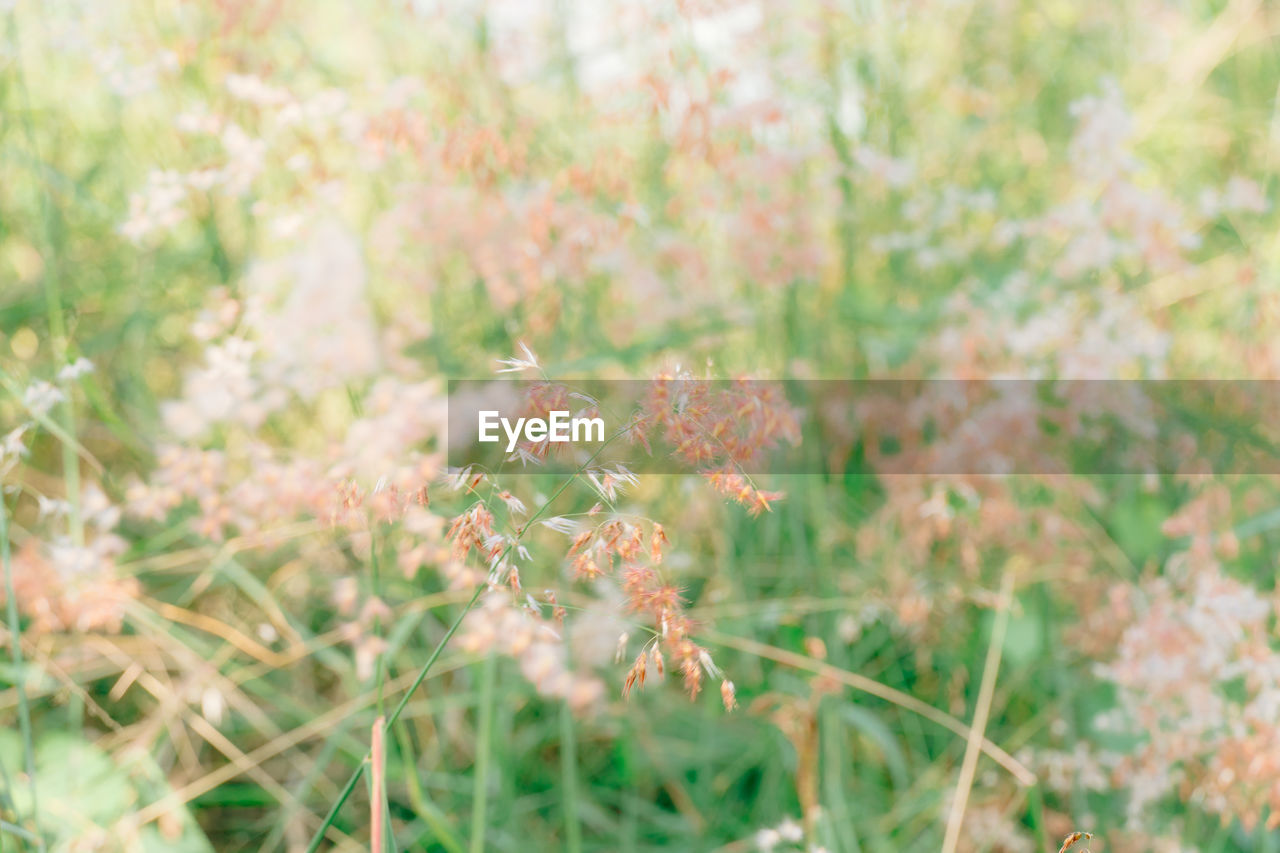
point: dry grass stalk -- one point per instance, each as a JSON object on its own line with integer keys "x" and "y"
{"x": 378, "y": 778}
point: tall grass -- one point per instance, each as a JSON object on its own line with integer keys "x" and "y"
{"x": 236, "y": 617}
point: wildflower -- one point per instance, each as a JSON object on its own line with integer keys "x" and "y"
{"x": 73, "y": 371}
{"x": 635, "y": 675}
{"x": 516, "y": 365}
{"x": 51, "y": 507}
{"x": 1194, "y": 636}
{"x": 12, "y": 446}
{"x": 705, "y": 661}
{"x": 375, "y": 609}
{"x": 40, "y": 397}
{"x": 767, "y": 840}
{"x": 560, "y": 524}
{"x": 585, "y": 568}
{"x": 212, "y": 705}
{"x": 607, "y": 481}
{"x": 1073, "y": 839}
{"x": 464, "y": 479}
{"x": 734, "y": 485}
{"x": 63, "y": 586}
{"x": 498, "y": 627}
{"x": 728, "y": 695}
{"x": 790, "y": 830}
{"x": 692, "y": 676}
{"x": 557, "y": 610}
{"x": 514, "y": 504}
{"x": 473, "y": 529}
{"x": 656, "y": 540}
{"x": 368, "y": 648}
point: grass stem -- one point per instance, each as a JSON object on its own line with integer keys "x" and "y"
{"x": 378, "y": 793}
{"x": 484, "y": 749}
{"x": 981, "y": 713}
{"x": 20, "y": 671}
{"x": 569, "y": 779}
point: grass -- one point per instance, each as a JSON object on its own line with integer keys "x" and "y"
{"x": 981, "y": 715}
{"x": 747, "y": 246}
{"x": 569, "y": 780}
{"x": 20, "y": 678}
{"x": 483, "y": 762}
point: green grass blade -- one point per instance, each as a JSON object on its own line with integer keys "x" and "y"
{"x": 484, "y": 748}
{"x": 569, "y": 779}
{"x": 15, "y": 650}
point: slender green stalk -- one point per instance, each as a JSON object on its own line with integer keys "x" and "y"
{"x": 435, "y": 654}
{"x": 429, "y": 814}
{"x": 569, "y": 780}
{"x": 337, "y": 804}
{"x": 389, "y": 837}
{"x": 304, "y": 785}
{"x": 6, "y": 795}
{"x": 839, "y": 822}
{"x": 417, "y": 682}
{"x": 53, "y": 306}
{"x": 1035, "y": 805}
{"x": 15, "y": 650}
{"x": 11, "y": 829}
{"x": 70, "y": 462}
{"x": 569, "y": 766}
{"x": 484, "y": 751}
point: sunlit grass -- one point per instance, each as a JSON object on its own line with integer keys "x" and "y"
{"x": 275, "y": 231}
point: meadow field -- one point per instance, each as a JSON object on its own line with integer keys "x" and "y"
{"x": 253, "y": 601}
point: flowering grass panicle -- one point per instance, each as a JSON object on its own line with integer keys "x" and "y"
{"x": 245, "y": 247}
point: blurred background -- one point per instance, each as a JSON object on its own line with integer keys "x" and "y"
{"x": 245, "y": 243}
